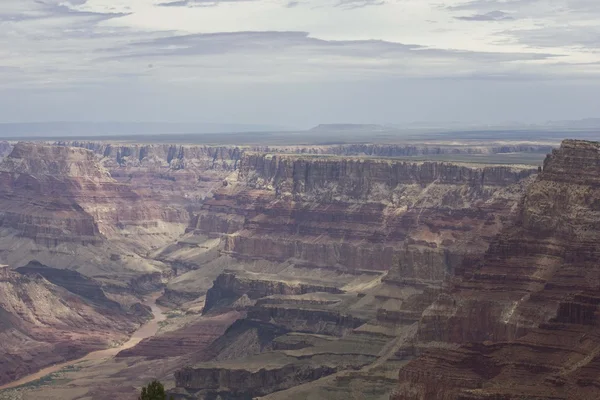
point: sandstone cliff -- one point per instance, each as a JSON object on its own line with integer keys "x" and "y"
{"x": 360, "y": 214}
{"x": 226, "y": 157}
{"x": 59, "y": 205}
{"x": 529, "y": 311}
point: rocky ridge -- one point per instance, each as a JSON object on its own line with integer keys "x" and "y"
{"x": 526, "y": 317}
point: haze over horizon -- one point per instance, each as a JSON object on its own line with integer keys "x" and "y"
{"x": 299, "y": 63}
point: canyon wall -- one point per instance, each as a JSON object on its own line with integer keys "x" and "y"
{"x": 360, "y": 214}
{"x": 332, "y": 261}
{"x": 216, "y": 157}
{"x": 58, "y": 205}
{"x": 527, "y": 314}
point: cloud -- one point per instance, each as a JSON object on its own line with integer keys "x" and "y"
{"x": 48, "y": 9}
{"x": 142, "y": 47}
{"x": 489, "y": 16}
{"x": 491, "y": 5}
{"x": 268, "y": 57}
{"x": 277, "y": 42}
{"x": 353, "y": 4}
{"x": 199, "y": 3}
{"x": 586, "y": 38}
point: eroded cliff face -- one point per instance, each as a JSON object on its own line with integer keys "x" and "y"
{"x": 42, "y": 323}
{"x": 225, "y": 157}
{"x": 162, "y": 155}
{"x": 60, "y": 206}
{"x": 183, "y": 175}
{"x": 360, "y": 214}
{"x": 178, "y": 175}
{"x": 529, "y": 310}
{"x": 339, "y": 256}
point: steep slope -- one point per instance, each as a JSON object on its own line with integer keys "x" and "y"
{"x": 332, "y": 260}
{"x": 178, "y": 175}
{"x": 60, "y": 206}
{"x": 42, "y": 324}
{"x": 529, "y": 312}
{"x": 184, "y": 174}
{"x": 335, "y": 216}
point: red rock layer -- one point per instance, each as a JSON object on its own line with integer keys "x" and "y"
{"x": 187, "y": 341}
{"x": 360, "y": 214}
{"x": 530, "y": 309}
{"x": 59, "y": 194}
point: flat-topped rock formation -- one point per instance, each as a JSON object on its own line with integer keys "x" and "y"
{"x": 527, "y": 315}
{"x": 225, "y": 157}
{"x": 41, "y": 160}
{"x": 183, "y": 175}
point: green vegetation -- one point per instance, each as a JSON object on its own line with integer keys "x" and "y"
{"x": 162, "y": 324}
{"x": 174, "y": 314}
{"x": 154, "y": 391}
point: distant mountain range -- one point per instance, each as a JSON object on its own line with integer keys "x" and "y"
{"x": 351, "y": 127}
{"x": 128, "y": 129}
{"x": 588, "y": 123}
{"x": 50, "y": 129}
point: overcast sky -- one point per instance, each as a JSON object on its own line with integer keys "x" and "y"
{"x": 299, "y": 62}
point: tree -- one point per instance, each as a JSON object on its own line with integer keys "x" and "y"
{"x": 154, "y": 391}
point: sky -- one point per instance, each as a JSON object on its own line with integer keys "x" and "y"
{"x": 298, "y": 63}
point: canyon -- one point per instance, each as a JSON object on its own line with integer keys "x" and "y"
{"x": 415, "y": 270}
{"x": 335, "y": 257}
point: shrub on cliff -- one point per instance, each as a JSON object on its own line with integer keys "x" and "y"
{"x": 154, "y": 391}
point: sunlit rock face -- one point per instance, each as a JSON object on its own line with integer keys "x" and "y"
{"x": 529, "y": 310}
{"x": 59, "y": 205}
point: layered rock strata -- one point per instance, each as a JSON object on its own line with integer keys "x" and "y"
{"x": 217, "y": 157}
{"x": 528, "y": 312}
{"x": 60, "y": 206}
{"x": 340, "y": 256}
{"x": 42, "y": 323}
{"x": 354, "y": 214}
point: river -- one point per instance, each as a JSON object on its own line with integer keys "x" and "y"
{"x": 145, "y": 331}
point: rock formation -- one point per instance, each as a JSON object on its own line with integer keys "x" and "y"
{"x": 60, "y": 206}
{"x": 5, "y": 149}
{"x": 178, "y": 175}
{"x": 331, "y": 260}
{"x": 354, "y": 214}
{"x": 526, "y": 316}
{"x": 42, "y": 323}
{"x": 194, "y": 157}
{"x": 304, "y": 271}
